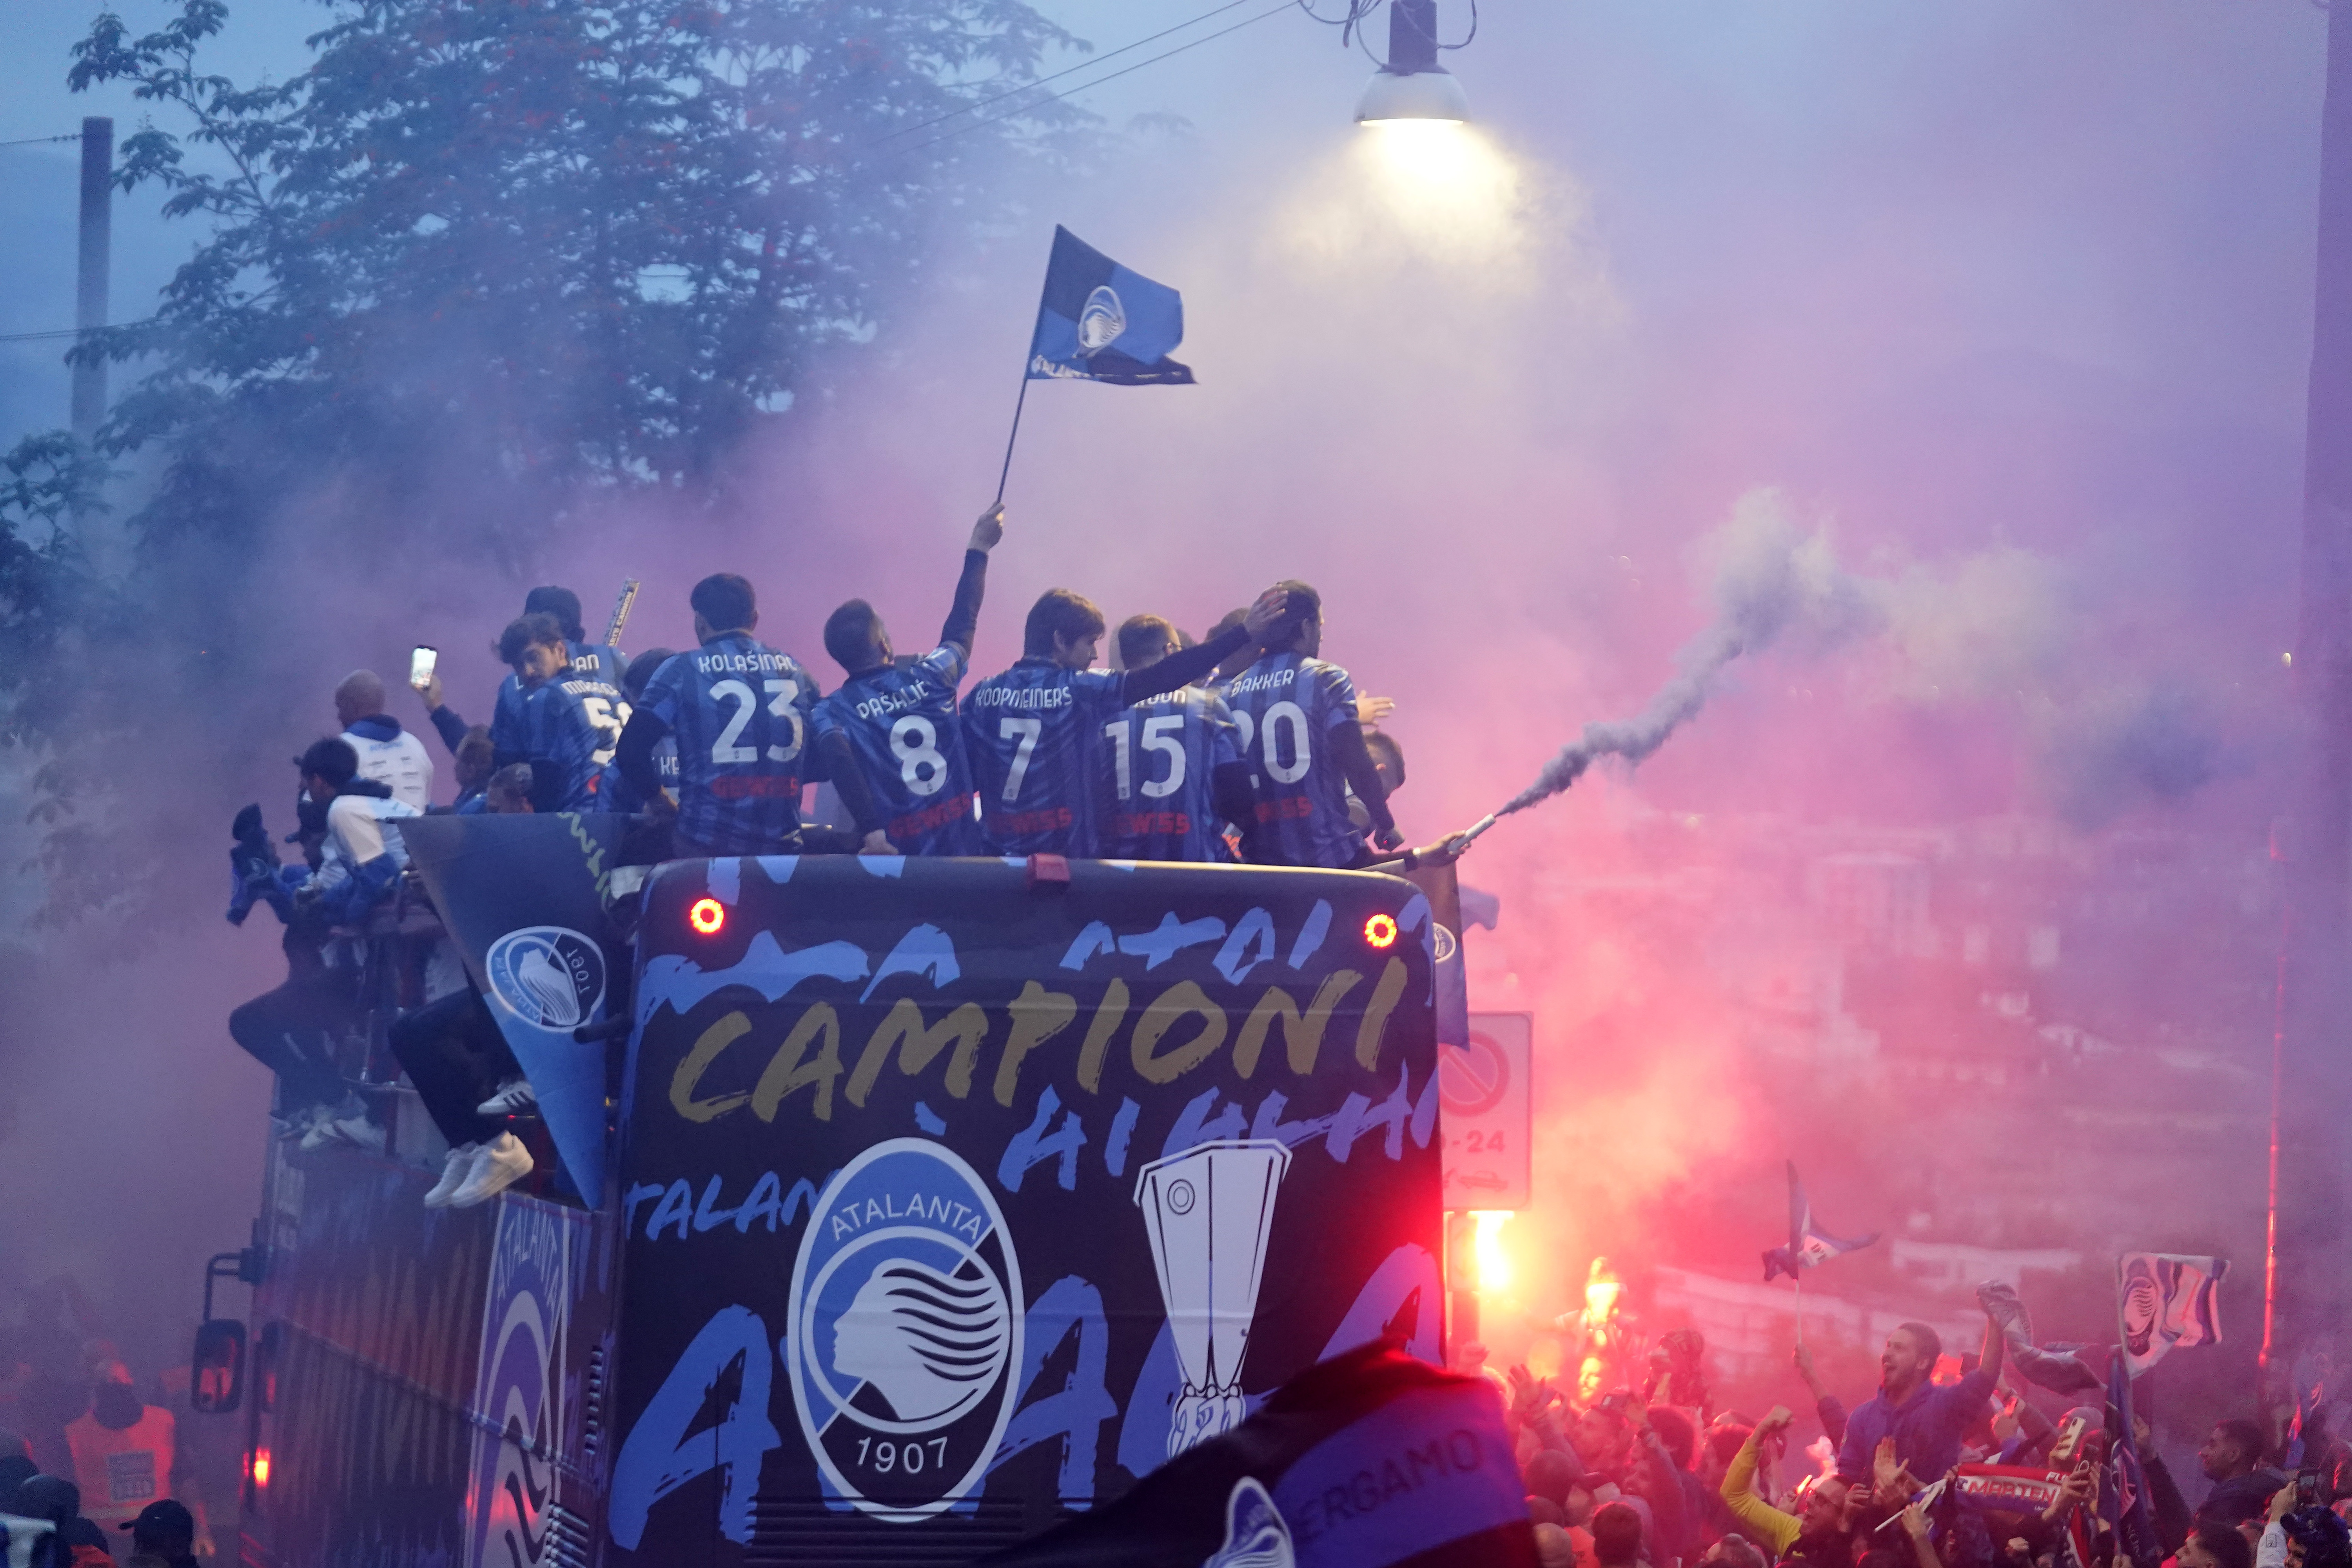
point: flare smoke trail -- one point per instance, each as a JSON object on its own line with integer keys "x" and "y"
{"x": 1769, "y": 578}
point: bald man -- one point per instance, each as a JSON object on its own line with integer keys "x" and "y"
{"x": 388, "y": 754}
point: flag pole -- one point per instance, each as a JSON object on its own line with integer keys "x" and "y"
{"x": 1018, "y": 403}
{"x": 1799, "y": 1278}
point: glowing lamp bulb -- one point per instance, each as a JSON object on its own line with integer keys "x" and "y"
{"x": 707, "y": 916}
{"x": 261, "y": 1467}
{"x": 1380, "y": 931}
{"x": 1494, "y": 1263}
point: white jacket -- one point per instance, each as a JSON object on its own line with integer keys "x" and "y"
{"x": 401, "y": 764}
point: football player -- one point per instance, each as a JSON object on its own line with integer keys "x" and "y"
{"x": 1031, "y": 732}
{"x": 587, "y": 660}
{"x": 569, "y": 720}
{"x": 1169, "y": 770}
{"x": 740, "y": 710}
{"x": 899, "y": 721}
{"x": 1304, "y": 749}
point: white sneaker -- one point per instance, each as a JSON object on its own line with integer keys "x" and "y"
{"x": 319, "y": 1131}
{"x": 459, "y": 1165}
{"x": 498, "y": 1165}
{"x": 352, "y": 1131}
{"x": 299, "y": 1121}
{"x": 514, "y": 1097}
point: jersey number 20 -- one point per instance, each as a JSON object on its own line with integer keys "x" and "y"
{"x": 1284, "y": 715}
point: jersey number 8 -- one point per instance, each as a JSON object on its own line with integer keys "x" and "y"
{"x": 916, "y": 744}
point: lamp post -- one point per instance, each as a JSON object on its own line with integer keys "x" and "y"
{"x": 1413, "y": 85}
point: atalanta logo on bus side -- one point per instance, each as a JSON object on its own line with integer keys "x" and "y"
{"x": 549, "y": 975}
{"x": 905, "y": 1345}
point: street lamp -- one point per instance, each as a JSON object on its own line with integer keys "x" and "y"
{"x": 1413, "y": 87}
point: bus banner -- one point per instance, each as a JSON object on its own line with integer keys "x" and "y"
{"x": 949, "y": 1183}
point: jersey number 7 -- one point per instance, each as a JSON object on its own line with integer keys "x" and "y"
{"x": 1028, "y": 729}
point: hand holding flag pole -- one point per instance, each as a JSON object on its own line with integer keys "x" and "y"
{"x": 1098, "y": 321}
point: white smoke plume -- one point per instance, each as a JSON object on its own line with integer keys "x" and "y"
{"x": 1770, "y": 579}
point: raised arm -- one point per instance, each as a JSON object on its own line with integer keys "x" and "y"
{"x": 963, "y": 615}
{"x": 1188, "y": 665}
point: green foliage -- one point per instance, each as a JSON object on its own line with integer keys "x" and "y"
{"x": 477, "y": 266}
{"x": 537, "y": 245}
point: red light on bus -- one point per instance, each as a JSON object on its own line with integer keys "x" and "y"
{"x": 707, "y": 916}
{"x": 260, "y": 1466}
{"x": 1380, "y": 931}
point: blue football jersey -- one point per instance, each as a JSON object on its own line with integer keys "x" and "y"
{"x": 590, "y": 661}
{"x": 614, "y": 793}
{"x": 573, "y": 723}
{"x": 741, "y": 712}
{"x": 1030, "y": 734}
{"x": 1285, "y": 707}
{"x": 1154, "y": 800}
{"x": 902, "y": 725}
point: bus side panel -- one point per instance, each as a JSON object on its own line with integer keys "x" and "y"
{"x": 951, "y": 1200}
{"x": 535, "y": 1475}
{"x": 369, "y": 1325}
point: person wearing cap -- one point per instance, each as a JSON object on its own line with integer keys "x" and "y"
{"x": 125, "y": 1452}
{"x": 166, "y": 1532}
{"x": 49, "y": 1507}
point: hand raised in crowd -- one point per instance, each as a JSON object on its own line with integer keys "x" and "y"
{"x": 1891, "y": 1479}
{"x": 2005, "y": 1424}
{"x": 1804, "y": 1363}
{"x": 1778, "y": 1417}
{"x": 2079, "y": 1489}
{"x": 1271, "y": 606}
{"x": 1529, "y": 1393}
{"x": 430, "y": 692}
{"x": 1915, "y": 1521}
{"x": 1371, "y": 710}
{"x": 989, "y": 532}
{"x": 2282, "y": 1502}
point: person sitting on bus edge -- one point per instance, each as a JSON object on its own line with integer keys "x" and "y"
{"x": 1028, "y": 731}
{"x": 454, "y": 1055}
{"x": 740, "y": 710}
{"x": 1305, "y": 750}
{"x": 387, "y": 753}
{"x": 570, "y": 720}
{"x": 293, "y": 1029}
{"x": 1171, "y": 770}
{"x": 899, "y": 724}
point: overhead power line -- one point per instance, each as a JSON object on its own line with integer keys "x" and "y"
{"x": 30, "y": 140}
{"x": 1082, "y": 65}
{"x": 1097, "y": 81}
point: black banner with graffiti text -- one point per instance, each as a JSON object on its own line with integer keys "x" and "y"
{"x": 953, "y": 1200}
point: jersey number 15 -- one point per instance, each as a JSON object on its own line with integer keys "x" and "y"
{"x": 1158, "y": 735}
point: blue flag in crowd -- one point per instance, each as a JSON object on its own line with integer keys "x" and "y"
{"x": 1809, "y": 1243}
{"x": 1098, "y": 321}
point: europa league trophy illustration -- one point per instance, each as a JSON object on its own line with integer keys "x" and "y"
{"x": 1208, "y": 1212}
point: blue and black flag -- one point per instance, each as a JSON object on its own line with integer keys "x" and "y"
{"x": 1098, "y": 321}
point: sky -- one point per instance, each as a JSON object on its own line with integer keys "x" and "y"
{"x": 2009, "y": 301}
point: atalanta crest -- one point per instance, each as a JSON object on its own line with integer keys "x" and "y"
{"x": 904, "y": 1345}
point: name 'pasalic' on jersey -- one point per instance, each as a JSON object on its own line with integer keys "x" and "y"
{"x": 1156, "y": 801}
{"x": 1029, "y": 734}
{"x": 741, "y": 712}
{"x": 902, "y": 725}
{"x": 1285, "y": 707}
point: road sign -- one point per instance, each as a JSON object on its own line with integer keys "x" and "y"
{"x": 1486, "y": 1111}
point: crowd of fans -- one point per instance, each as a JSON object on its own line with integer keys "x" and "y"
{"x": 86, "y": 1464}
{"x": 1925, "y": 1474}
{"x": 1242, "y": 746}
